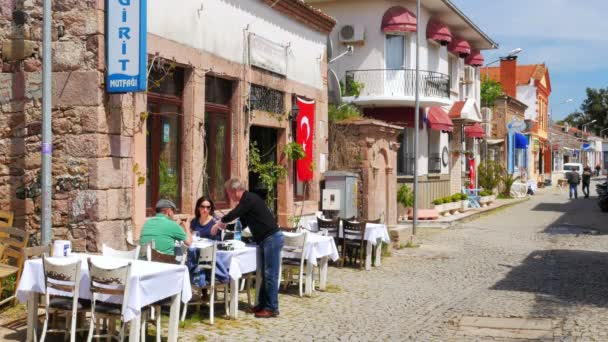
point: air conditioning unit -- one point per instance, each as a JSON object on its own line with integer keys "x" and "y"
{"x": 469, "y": 75}
{"x": 352, "y": 34}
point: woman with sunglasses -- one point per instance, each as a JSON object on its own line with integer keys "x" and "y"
{"x": 203, "y": 219}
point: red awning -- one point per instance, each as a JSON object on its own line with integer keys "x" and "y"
{"x": 460, "y": 46}
{"x": 474, "y": 59}
{"x": 398, "y": 19}
{"x": 437, "y": 31}
{"x": 439, "y": 120}
{"x": 474, "y": 131}
{"x": 401, "y": 116}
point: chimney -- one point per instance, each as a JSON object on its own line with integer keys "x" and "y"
{"x": 508, "y": 75}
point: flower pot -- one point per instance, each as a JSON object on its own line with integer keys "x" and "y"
{"x": 442, "y": 209}
{"x": 464, "y": 205}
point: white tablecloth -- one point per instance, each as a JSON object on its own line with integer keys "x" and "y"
{"x": 149, "y": 282}
{"x": 239, "y": 261}
{"x": 317, "y": 246}
{"x": 373, "y": 231}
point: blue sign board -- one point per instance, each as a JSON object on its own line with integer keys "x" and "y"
{"x": 126, "y": 55}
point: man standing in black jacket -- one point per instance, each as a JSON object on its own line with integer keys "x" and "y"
{"x": 253, "y": 213}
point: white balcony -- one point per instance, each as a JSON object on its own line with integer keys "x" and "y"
{"x": 396, "y": 87}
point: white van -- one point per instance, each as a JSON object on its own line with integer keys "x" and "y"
{"x": 577, "y": 167}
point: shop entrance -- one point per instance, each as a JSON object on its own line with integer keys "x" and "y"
{"x": 265, "y": 138}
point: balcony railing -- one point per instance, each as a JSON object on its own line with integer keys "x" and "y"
{"x": 434, "y": 163}
{"x": 397, "y": 82}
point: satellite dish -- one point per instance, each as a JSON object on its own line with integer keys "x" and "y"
{"x": 517, "y": 126}
{"x": 330, "y": 48}
{"x": 333, "y": 88}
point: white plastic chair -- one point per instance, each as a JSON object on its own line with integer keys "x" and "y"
{"x": 64, "y": 278}
{"x": 114, "y": 253}
{"x": 293, "y": 247}
{"x": 114, "y": 282}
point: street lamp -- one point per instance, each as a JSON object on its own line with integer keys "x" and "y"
{"x": 588, "y": 123}
{"x": 511, "y": 54}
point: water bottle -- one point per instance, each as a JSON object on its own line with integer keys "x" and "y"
{"x": 238, "y": 230}
{"x": 177, "y": 251}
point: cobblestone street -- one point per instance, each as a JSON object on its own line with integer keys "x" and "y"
{"x": 536, "y": 259}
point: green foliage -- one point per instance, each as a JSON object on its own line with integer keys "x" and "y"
{"x": 294, "y": 151}
{"x": 269, "y": 172}
{"x": 8, "y": 286}
{"x": 485, "y": 192}
{"x": 456, "y": 197}
{"x": 490, "y": 91}
{"x": 594, "y": 107}
{"x": 343, "y": 112}
{"x": 352, "y": 88}
{"x": 438, "y": 201}
{"x": 168, "y": 182}
{"x": 405, "y": 196}
{"x": 489, "y": 177}
{"x": 507, "y": 183}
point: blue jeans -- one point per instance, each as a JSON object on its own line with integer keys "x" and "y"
{"x": 574, "y": 190}
{"x": 269, "y": 261}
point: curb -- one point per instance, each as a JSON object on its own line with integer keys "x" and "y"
{"x": 468, "y": 218}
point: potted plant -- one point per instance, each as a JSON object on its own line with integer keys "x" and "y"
{"x": 464, "y": 202}
{"x": 441, "y": 207}
{"x": 405, "y": 196}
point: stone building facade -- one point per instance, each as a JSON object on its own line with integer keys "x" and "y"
{"x": 109, "y": 149}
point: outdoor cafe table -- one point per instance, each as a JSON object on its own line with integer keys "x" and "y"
{"x": 239, "y": 261}
{"x": 149, "y": 282}
{"x": 317, "y": 247}
{"x": 375, "y": 234}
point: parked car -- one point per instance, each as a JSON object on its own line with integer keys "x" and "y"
{"x": 576, "y": 167}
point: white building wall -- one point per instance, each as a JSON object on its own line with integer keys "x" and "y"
{"x": 527, "y": 95}
{"x": 220, "y": 27}
{"x": 370, "y": 55}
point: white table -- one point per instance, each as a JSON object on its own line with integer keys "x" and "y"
{"x": 375, "y": 234}
{"x": 239, "y": 261}
{"x": 317, "y": 247}
{"x": 143, "y": 290}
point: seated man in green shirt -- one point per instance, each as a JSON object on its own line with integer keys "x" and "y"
{"x": 163, "y": 230}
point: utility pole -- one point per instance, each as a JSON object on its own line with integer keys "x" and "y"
{"x": 416, "y": 120}
{"x": 47, "y": 133}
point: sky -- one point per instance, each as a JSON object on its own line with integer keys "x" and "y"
{"x": 569, "y": 36}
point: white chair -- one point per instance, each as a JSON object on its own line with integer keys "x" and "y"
{"x": 114, "y": 282}
{"x": 114, "y": 253}
{"x": 292, "y": 258}
{"x": 65, "y": 278}
{"x": 207, "y": 261}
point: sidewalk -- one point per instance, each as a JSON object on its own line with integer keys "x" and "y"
{"x": 470, "y": 214}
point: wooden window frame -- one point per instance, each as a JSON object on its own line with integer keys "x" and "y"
{"x": 227, "y": 111}
{"x": 157, "y": 100}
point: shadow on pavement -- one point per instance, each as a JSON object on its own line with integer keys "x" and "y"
{"x": 572, "y": 276}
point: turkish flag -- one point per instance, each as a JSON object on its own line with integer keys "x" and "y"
{"x": 472, "y": 173}
{"x": 305, "y": 136}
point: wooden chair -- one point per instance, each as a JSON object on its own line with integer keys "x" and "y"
{"x": 353, "y": 243}
{"x": 207, "y": 261}
{"x": 114, "y": 282}
{"x": 65, "y": 278}
{"x": 114, "y": 253}
{"x": 145, "y": 249}
{"x": 293, "y": 248}
{"x": 15, "y": 242}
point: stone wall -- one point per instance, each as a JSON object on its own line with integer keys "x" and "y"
{"x": 368, "y": 148}
{"x": 92, "y": 171}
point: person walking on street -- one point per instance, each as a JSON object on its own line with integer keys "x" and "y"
{"x": 598, "y": 168}
{"x": 573, "y": 180}
{"x": 586, "y": 180}
{"x": 254, "y": 213}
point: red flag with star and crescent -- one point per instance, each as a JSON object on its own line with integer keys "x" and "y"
{"x": 305, "y": 137}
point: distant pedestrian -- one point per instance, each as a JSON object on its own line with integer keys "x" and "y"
{"x": 598, "y": 168}
{"x": 574, "y": 180}
{"x": 586, "y": 180}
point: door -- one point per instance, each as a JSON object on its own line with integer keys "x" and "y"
{"x": 265, "y": 139}
{"x": 396, "y": 82}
